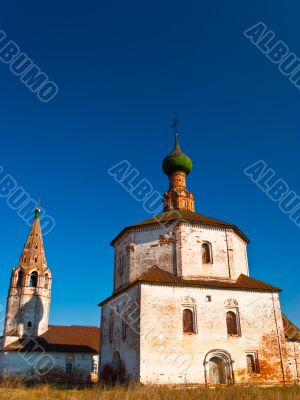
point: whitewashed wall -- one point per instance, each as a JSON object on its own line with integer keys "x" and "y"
{"x": 168, "y": 355}
{"x": 128, "y": 347}
{"x": 13, "y": 363}
{"x": 23, "y": 305}
{"x": 177, "y": 249}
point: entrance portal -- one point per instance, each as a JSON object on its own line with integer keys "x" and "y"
{"x": 217, "y": 371}
{"x": 218, "y": 368}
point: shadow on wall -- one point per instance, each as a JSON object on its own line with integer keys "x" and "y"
{"x": 30, "y": 315}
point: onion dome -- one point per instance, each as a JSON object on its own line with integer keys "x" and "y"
{"x": 177, "y": 160}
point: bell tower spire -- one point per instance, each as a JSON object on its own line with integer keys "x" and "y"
{"x": 33, "y": 254}
{"x": 177, "y": 166}
{"x": 29, "y": 295}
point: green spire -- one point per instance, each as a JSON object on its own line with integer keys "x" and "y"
{"x": 177, "y": 160}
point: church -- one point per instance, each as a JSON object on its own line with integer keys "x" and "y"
{"x": 31, "y": 348}
{"x": 184, "y": 307}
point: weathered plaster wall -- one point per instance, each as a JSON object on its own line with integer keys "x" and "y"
{"x": 293, "y": 348}
{"x": 238, "y": 258}
{"x": 177, "y": 249}
{"x": 170, "y": 356}
{"x": 122, "y": 309}
{"x": 192, "y": 237}
{"x": 142, "y": 250}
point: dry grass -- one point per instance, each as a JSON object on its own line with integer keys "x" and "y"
{"x": 17, "y": 391}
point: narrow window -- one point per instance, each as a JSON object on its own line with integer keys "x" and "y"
{"x": 122, "y": 264}
{"x": 69, "y": 368}
{"x": 116, "y": 361}
{"x": 20, "y": 278}
{"x": 124, "y": 326}
{"x": 188, "y": 321}
{"x": 33, "y": 279}
{"x": 231, "y": 321}
{"x": 29, "y": 324}
{"x": 252, "y": 364}
{"x": 206, "y": 253}
{"x": 35, "y": 259}
{"x": 111, "y": 326}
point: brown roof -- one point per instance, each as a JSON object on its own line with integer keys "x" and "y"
{"x": 292, "y": 332}
{"x": 181, "y": 216}
{"x": 159, "y": 276}
{"x": 156, "y": 274}
{"x": 81, "y": 339}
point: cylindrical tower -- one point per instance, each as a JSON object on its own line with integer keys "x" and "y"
{"x": 177, "y": 166}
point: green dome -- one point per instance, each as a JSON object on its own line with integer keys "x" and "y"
{"x": 177, "y": 161}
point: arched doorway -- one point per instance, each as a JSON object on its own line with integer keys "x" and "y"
{"x": 217, "y": 371}
{"x": 218, "y": 368}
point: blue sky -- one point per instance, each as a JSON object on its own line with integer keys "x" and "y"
{"x": 124, "y": 71}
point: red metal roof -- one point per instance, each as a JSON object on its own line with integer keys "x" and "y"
{"x": 159, "y": 276}
{"x": 156, "y": 274}
{"x": 81, "y": 339}
{"x": 181, "y": 216}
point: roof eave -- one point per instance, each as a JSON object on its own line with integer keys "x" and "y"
{"x": 134, "y": 227}
{"x": 272, "y": 289}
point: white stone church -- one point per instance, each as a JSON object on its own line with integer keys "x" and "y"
{"x": 185, "y": 309}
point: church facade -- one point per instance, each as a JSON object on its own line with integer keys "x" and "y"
{"x": 185, "y": 309}
{"x": 30, "y": 347}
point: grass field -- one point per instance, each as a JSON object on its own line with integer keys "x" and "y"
{"x": 44, "y": 392}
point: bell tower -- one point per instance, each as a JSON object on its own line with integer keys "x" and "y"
{"x": 29, "y": 296}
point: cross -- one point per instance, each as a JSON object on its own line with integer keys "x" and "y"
{"x": 174, "y": 126}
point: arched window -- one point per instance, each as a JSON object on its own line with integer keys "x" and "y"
{"x": 46, "y": 284}
{"x": 188, "y": 321}
{"x": 20, "y": 278}
{"x": 206, "y": 253}
{"x": 29, "y": 324}
{"x": 33, "y": 279}
{"x": 231, "y": 321}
